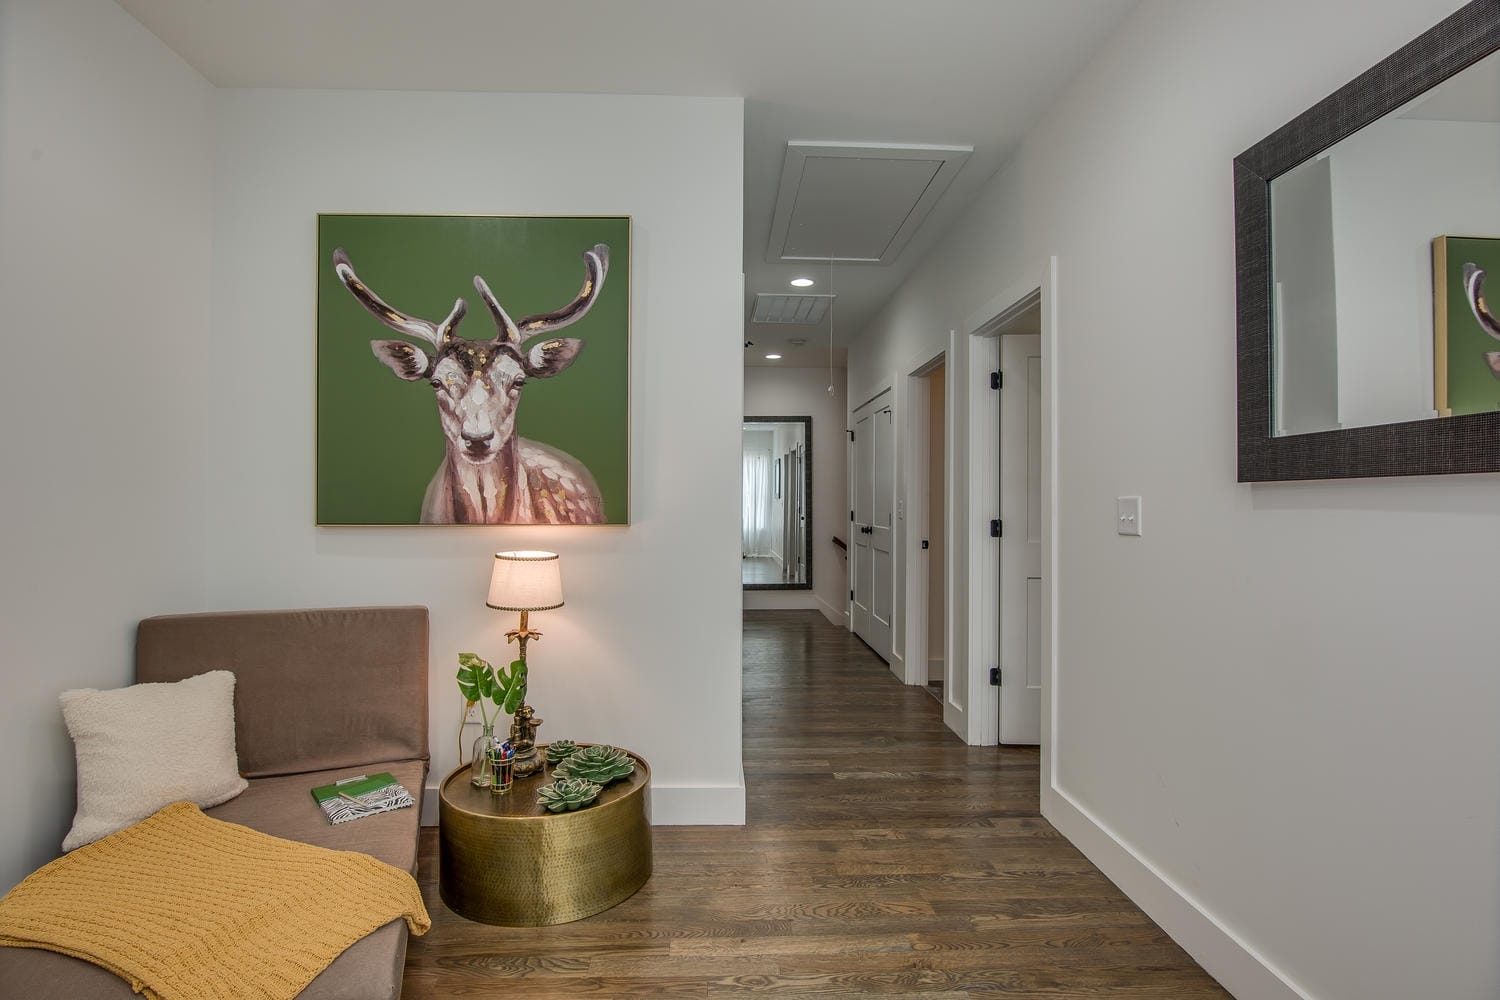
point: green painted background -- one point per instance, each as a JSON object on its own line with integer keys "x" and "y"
{"x": 1472, "y": 388}
{"x": 379, "y": 440}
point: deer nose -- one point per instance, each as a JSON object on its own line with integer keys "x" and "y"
{"x": 478, "y": 440}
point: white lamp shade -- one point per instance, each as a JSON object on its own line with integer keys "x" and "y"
{"x": 526, "y": 581}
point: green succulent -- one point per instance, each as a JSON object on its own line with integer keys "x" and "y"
{"x": 560, "y": 750}
{"x": 567, "y": 794}
{"x": 599, "y": 764}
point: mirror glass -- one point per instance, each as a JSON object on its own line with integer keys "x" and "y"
{"x": 1380, "y": 247}
{"x": 776, "y": 503}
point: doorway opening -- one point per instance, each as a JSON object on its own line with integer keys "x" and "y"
{"x": 927, "y": 643}
{"x": 1010, "y": 526}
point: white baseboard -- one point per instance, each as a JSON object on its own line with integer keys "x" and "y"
{"x": 1237, "y": 966}
{"x": 794, "y": 600}
{"x": 837, "y": 616}
{"x": 779, "y": 600}
{"x": 934, "y": 668}
{"x": 698, "y": 805}
{"x": 671, "y": 805}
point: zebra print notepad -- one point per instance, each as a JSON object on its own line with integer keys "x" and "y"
{"x": 361, "y": 796}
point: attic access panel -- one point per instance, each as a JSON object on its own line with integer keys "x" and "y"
{"x": 857, "y": 202}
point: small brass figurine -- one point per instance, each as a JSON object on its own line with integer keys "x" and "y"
{"x": 523, "y": 737}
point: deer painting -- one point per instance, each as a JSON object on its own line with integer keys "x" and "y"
{"x": 489, "y": 475}
{"x": 1474, "y": 292}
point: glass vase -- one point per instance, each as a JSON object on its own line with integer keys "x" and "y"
{"x": 481, "y": 773}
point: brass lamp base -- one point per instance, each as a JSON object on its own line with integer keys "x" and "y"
{"x": 525, "y": 724}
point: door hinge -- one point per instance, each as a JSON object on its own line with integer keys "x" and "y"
{"x": 851, "y": 515}
{"x": 994, "y": 676}
{"x": 997, "y": 380}
{"x": 851, "y": 595}
{"x": 851, "y": 435}
{"x": 996, "y": 528}
{"x": 924, "y": 543}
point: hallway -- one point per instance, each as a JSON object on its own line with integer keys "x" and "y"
{"x": 880, "y": 857}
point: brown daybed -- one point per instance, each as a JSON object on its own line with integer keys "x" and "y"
{"x": 320, "y": 694}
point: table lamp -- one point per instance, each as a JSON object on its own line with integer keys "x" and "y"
{"x": 525, "y": 581}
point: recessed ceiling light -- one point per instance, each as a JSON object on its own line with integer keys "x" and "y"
{"x": 802, "y": 282}
{"x": 773, "y": 357}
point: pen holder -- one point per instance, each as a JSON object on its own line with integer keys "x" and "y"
{"x": 502, "y": 768}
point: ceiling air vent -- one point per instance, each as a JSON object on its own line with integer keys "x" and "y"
{"x": 790, "y": 308}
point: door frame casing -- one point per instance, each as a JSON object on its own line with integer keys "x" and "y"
{"x": 982, "y": 330}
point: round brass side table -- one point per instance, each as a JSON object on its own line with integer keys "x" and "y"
{"x": 504, "y": 859}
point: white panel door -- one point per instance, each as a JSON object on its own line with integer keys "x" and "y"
{"x": 873, "y": 569}
{"x": 1021, "y": 594}
{"x": 882, "y": 535}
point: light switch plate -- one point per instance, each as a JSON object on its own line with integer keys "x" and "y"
{"x": 1129, "y": 512}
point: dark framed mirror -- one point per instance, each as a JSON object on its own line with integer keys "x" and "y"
{"x": 1365, "y": 230}
{"x": 776, "y": 503}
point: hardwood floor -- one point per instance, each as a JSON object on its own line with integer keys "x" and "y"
{"x": 881, "y": 857}
{"x": 760, "y": 569}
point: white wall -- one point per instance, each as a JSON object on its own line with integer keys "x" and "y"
{"x": 795, "y": 392}
{"x": 646, "y": 654}
{"x": 104, "y": 280}
{"x": 1278, "y": 713}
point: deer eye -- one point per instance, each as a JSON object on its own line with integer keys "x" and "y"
{"x": 518, "y": 381}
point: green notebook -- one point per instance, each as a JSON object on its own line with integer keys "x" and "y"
{"x": 361, "y": 795}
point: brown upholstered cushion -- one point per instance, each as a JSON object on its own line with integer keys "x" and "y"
{"x": 282, "y": 806}
{"x": 370, "y": 970}
{"x": 315, "y": 689}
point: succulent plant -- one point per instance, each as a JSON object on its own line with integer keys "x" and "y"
{"x": 560, "y": 750}
{"x": 567, "y": 794}
{"x": 599, "y": 764}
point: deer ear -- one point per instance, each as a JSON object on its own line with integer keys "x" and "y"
{"x": 408, "y": 362}
{"x": 552, "y": 356}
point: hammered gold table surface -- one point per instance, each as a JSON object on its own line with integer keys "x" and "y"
{"x": 506, "y": 860}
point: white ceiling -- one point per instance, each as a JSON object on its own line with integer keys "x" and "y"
{"x": 945, "y": 72}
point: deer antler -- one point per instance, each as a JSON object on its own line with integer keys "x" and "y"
{"x": 503, "y": 323}
{"x": 411, "y": 326}
{"x": 596, "y": 261}
{"x": 1474, "y": 292}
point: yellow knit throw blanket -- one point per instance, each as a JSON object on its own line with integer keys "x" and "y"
{"x": 186, "y": 907}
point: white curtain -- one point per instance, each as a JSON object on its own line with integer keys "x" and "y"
{"x": 755, "y": 509}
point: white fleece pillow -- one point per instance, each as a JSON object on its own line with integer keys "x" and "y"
{"x": 143, "y": 747}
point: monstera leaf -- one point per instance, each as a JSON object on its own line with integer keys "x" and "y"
{"x": 510, "y": 687}
{"x": 476, "y": 678}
